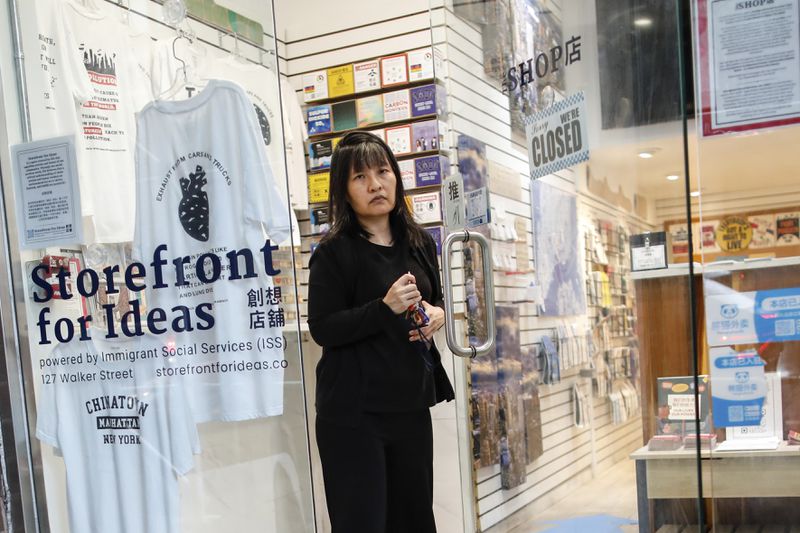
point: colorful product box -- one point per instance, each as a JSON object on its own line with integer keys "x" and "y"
{"x": 436, "y": 232}
{"x": 426, "y": 135}
{"x": 428, "y": 100}
{"x": 407, "y": 173}
{"x": 394, "y": 70}
{"x": 399, "y": 139}
{"x": 396, "y": 106}
{"x": 431, "y": 170}
{"x": 369, "y": 110}
{"x": 320, "y": 153}
{"x": 315, "y": 86}
{"x": 340, "y": 81}
{"x": 367, "y": 76}
{"x": 319, "y": 119}
{"x": 427, "y": 207}
{"x": 344, "y": 115}
{"x": 318, "y": 185}
{"x": 420, "y": 64}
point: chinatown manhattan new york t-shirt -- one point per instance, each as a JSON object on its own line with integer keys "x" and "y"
{"x": 204, "y": 188}
{"x": 125, "y": 435}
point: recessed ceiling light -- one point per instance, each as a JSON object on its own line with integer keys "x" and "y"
{"x": 643, "y": 22}
{"x": 645, "y": 155}
{"x": 694, "y": 194}
{"x": 673, "y": 177}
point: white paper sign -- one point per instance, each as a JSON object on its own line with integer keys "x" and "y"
{"x": 477, "y": 207}
{"x": 48, "y": 197}
{"x": 557, "y": 137}
{"x": 454, "y": 211}
{"x": 681, "y": 406}
{"x": 771, "y": 415}
{"x": 749, "y": 53}
{"x": 649, "y": 257}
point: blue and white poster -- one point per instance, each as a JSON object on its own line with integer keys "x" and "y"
{"x": 752, "y": 317}
{"x": 556, "y": 250}
{"x": 738, "y": 387}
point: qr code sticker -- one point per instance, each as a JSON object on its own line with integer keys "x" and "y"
{"x": 736, "y": 413}
{"x": 784, "y": 328}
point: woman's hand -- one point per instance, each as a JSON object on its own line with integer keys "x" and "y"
{"x": 435, "y": 322}
{"x": 402, "y": 294}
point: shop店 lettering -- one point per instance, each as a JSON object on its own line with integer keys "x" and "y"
{"x": 208, "y": 268}
{"x": 753, "y": 3}
{"x": 543, "y": 64}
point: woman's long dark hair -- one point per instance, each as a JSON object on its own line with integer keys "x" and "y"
{"x": 358, "y": 150}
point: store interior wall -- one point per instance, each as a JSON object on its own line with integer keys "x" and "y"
{"x": 477, "y": 107}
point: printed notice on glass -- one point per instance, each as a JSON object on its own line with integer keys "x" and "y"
{"x": 648, "y": 251}
{"x": 557, "y": 137}
{"x": 739, "y": 387}
{"x": 749, "y": 64}
{"x": 47, "y": 199}
{"x": 751, "y": 317}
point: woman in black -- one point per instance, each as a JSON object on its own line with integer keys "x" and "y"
{"x": 379, "y": 374}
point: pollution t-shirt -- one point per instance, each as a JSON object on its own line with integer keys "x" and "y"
{"x": 206, "y": 195}
{"x": 94, "y": 64}
{"x": 125, "y": 434}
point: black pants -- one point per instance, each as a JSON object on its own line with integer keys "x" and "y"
{"x": 379, "y": 476}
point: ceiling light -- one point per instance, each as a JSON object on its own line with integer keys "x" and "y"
{"x": 646, "y": 155}
{"x": 643, "y": 22}
{"x": 694, "y": 194}
{"x": 673, "y": 177}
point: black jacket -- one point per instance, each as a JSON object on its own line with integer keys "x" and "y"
{"x": 343, "y": 327}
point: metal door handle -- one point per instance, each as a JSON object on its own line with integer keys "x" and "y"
{"x": 488, "y": 291}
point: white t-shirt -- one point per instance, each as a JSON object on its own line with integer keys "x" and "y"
{"x": 296, "y": 137}
{"x": 261, "y": 86}
{"x": 95, "y": 65}
{"x": 124, "y": 434}
{"x": 204, "y": 186}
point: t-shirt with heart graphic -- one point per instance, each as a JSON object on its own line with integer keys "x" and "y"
{"x": 204, "y": 186}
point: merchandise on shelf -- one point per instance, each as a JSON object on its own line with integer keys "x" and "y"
{"x": 394, "y": 70}
{"x": 340, "y": 81}
{"x": 315, "y": 86}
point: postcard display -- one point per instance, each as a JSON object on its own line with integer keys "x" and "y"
{"x": 167, "y": 318}
{"x": 396, "y": 98}
{"x": 611, "y": 310}
{"x": 758, "y": 235}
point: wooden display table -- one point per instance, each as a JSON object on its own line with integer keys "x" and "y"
{"x": 734, "y": 474}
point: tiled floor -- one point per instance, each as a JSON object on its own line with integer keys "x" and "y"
{"x": 612, "y": 493}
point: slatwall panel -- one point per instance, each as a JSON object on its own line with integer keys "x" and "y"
{"x": 480, "y": 110}
{"x": 306, "y": 53}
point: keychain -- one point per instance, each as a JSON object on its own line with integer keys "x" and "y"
{"x": 417, "y": 315}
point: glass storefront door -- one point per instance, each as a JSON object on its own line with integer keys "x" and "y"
{"x": 745, "y": 226}
{"x": 150, "y": 207}
{"x": 567, "y": 119}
